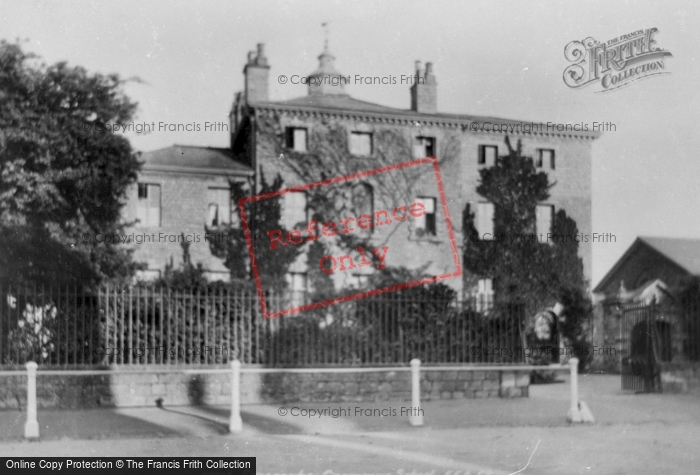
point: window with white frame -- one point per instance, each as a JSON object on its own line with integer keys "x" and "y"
{"x": 297, "y": 139}
{"x": 148, "y": 205}
{"x": 427, "y": 222}
{"x": 361, "y": 144}
{"x": 424, "y": 147}
{"x": 293, "y": 209}
{"x": 484, "y": 220}
{"x": 544, "y": 215}
{"x": 487, "y": 155}
{"x": 484, "y": 294}
{"x": 297, "y": 286}
{"x": 219, "y": 206}
{"x": 545, "y": 159}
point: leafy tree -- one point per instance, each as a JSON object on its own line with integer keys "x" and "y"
{"x": 262, "y": 216}
{"x": 187, "y": 277}
{"x": 228, "y": 242}
{"x": 524, "y": 267}
{"x": 321, "y": 283}
{"x": 63, "y": 179}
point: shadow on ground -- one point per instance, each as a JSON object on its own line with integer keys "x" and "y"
{"x": 85, "y": 424}
{"x": 546, "y": 407}
{"x": 262, "y": 423}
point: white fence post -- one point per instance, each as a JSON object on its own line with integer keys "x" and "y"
{"x": 578, "y": 412}
{"x": 235, "y": 423}
{"x": 31, "y": 427}
{"x": 416, "y": 417}
{"x": 574, "y": 414}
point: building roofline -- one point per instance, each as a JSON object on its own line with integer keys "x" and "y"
{"x": 604, "y": 281}
{"x": 622, "y": 260}
{"x": 409, "y": 117}
{"x": 195, "y": 170}
{"x": 678, "y": 264}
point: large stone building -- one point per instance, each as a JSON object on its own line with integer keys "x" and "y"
{"x": 328, "y": 133}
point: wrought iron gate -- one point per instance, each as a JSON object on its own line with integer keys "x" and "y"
{"x": 640, "y": 368}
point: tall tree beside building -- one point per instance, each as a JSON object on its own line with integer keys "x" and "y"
{"x": 64, "y": 177}
{"x": 523, "y": 266}
{"x": 320, "y": 283}
{"x": 262, "y": 216}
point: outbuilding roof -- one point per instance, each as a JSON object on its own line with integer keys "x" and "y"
{"x": 683, "y": 252}
{"x": 194, "y": 159}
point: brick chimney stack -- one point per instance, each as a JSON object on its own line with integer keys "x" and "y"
{"x": 424, "y": 90}
{"x": 257, "y": 73}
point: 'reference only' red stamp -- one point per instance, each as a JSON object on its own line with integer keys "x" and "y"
{"x": 374, "y": 250}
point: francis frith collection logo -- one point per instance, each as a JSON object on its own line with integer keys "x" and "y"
{"x": 615, "y": 63}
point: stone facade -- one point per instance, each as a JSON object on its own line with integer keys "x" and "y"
{"x": 606, "y": 334}
{"x": 256, "y": 148}
{"x": 680, "y": 377}
{"x": 457, "y": 149}
{"x": 457, "y": 155}
{"x": 671, "y": 340}
{"x": 183, "y": 186}
{"x": 126, "y": 389}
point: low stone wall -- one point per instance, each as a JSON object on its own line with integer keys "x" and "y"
{"x": 392, "y": 385}
{"x": 680, "y": 377}
{"x": 134, "y": 389}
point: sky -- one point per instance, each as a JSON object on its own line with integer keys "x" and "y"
{"x": 494, "y": 58}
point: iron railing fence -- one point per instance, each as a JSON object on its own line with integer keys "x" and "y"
{"x": 147, "y": 325}
{"x": 690, "y": 305}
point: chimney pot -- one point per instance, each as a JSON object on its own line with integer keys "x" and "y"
{"x": 424, "y": 90}
{"x": 256, "y": 74}
{"x": 261, "y": 59}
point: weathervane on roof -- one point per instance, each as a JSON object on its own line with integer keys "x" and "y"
{"x": 325, "y": 27}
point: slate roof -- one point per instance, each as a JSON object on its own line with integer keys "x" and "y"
{"x": 347, "y": 105}
{"x": 685, "y": 253}
{"x": 202, "y": 159}
{"x": 337, "y": 102}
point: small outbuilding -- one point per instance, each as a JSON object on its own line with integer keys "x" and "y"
{"x": 647, "y": 316}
